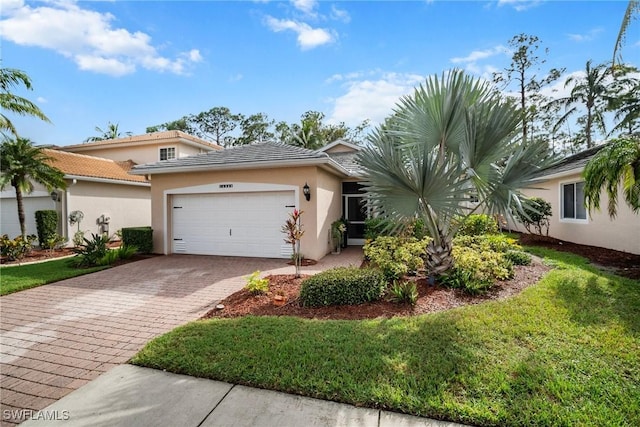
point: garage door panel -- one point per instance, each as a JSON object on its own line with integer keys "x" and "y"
{"x": 236, "y": 224}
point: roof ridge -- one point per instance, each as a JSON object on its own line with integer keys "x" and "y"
{"x": 68, "y": 153}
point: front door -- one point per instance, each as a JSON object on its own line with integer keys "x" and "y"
{"x": 355, "y": 212}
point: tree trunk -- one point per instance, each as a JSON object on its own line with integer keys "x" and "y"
{"x": 19, "y": 202}
{"x": 588, "y": 129}
{"x": 439, "y": 258}
{"x": 523, "y": 105}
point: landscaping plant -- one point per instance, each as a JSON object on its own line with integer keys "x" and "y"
{"x": 342, "y": 286}
{"x": 397, "y": 256}
{"x": 46, "y": 226}
{"x": 292, "y": 228}
{"x": 404, "y": 292}
{"x": 91, "y": 252}
{"x": 18, "y": 248}
{"x": 478, "y": 224}
{"x": 255, "y": 284}
{"x": 536, "y": 216}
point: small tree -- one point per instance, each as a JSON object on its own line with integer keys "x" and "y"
{"x": 293, "y": 229}
{"x": 536, "y": 215}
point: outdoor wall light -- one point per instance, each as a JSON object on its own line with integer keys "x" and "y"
{"x": 54, "y": 196}
{"x": 306, "y": 191}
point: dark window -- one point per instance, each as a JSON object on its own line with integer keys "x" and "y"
{"x": 573, "y": 201}
{"x": 167, "y": 153}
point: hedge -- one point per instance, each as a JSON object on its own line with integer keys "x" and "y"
{"x": 342, "y": 286}
{"x": 140, "y": 237}
{"x": 46, "y": 225}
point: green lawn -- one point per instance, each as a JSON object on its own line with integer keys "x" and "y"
{"x": 20, "y": 277}
{"x": 563, "y": 352}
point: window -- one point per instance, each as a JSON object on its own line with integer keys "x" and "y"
{"x": 572, "y": 202}
{"x": 168, "y": 153}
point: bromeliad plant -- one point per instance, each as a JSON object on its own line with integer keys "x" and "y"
{"x": 294, "y": 232}
{"x": 453, "y": 140}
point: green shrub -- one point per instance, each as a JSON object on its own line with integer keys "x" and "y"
{"x": 255, "y": 284}
{"x": 54, "y": 241}
{"x": 477, "y": 224}
{"x": 91, "y": 253}
{"x": 378, "y": 226}
{"x": 476, "y": 270}
{"x": 404, "y": 292}
{"x": 494, "y": 242}
{"x": 536, "y": 215}
{"x": 126, "y": 251}
{"x": 342, "y": 286}
{"x": 140, "y": 237}
{"x": 518, "y": 257}
{"x": 18, "y": 248}
{"x": 46, "y": 225}
{"x": 109, "y": 258}
{"x": 375, "y": 227}
{"x": 397, "y": 256}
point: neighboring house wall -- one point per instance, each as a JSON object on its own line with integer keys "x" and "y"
{"x": 314, "y": 243}
{"x": 140, "y": 154}
{"x": 39, "y": 199}
{"x": 126, "y": 205}
{"x": 622, "y": 233}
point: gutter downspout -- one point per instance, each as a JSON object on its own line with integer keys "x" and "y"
{"x": 65, "y": 210}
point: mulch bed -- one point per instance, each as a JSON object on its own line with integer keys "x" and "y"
{"x": 45, "y": 254}
{"x": 621, "y": 263}
{"x": 432, "y": 298}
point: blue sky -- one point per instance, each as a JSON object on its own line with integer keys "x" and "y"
{"x": 145, "y": 62}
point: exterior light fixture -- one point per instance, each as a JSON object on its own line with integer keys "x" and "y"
{"x": 54, "y": 196}
{"x": 306, "y": 191}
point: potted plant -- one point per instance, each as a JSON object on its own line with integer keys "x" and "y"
{"x": 337, "y": 233}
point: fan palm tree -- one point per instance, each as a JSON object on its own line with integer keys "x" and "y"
{"x": 591, "y": 92}
{"x": 455, "y": 138}
{"x": 21, "y": 164}
{"x": 112, "y": 131}
{"x": 616, "y": 164}
{"x": 633, "y": 9}
{"x": 9, "y": 79}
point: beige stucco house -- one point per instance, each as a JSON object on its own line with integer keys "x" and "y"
{"x": 99, "y": 183}
{"x": 235, "y": 201}
{"x": 562, "y": 185}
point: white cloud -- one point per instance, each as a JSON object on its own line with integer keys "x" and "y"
{"x": 370, "y": 98}
{"x": 340, "y": 14}
{"x": 585, "y": 37}
{"x": 236, "y": 78}
{"x": 41, "y": 100}
{"x": 305, "y": 6}
{"x": 520, "y": 5}
{"x": 477, "y": 55}
{"x": 88, "y": 38}
{"x": 308, "y": 37}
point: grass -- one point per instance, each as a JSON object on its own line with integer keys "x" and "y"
{"x": 563, "y": 352}
{"x": 20, "y": 277}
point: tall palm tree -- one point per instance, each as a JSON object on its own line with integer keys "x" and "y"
{"x": 21, "y": 164}
{"x": 11, "y": 78}
{"x": 453, "y": 140}
{"x": 591, "y": 92}
{"x": 633, "y": 9}
{"x": 616, "y": 164}
{"x": 112, "y": 131}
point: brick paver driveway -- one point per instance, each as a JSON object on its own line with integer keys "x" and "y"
{"x": 56, "y": 338}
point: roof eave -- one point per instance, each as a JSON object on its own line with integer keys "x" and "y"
{"x": 107, "y": 180}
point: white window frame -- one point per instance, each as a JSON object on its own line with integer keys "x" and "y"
{"x": 561, "y": 204}
{"x": 175, "y": 153}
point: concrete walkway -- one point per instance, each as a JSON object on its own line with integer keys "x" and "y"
{"x": 133, "y": 396}
{"x": 56, "y": 338}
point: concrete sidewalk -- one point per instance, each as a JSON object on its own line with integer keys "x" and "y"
{"x": 133, "y": 396}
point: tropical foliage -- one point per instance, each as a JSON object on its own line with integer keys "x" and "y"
{"x": 632, "y": 11}
{"x": 616, "y": 165}
{"x": 112, "y": 131}
{"x": 22, "y": 164}
{"x": 10, "y": 79}
{"x": 454, "y": 138}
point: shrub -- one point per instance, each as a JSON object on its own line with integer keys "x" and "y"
{"x": 518, "y": 257}
{"x": 91, "y": 253}
{"x": 18, "y": 248}
{"x": 140, "y": 237}
{"x": 404, "y": 292}
{"x": 109, "y": 258}
{"x": 378, "y": 226}
{"x": 397, "y": 256}
{"x": 342, "y": 286}
{"x": 78, "y": 238}
{"x": 46, "y": 225}
{"x": 536, "y": 216}
{"x": 493, "y": 242}
{"x": 114, "y": 255}
{"x": 126, "y": 251}
{"x": 475, "y": 270}
{"x": 477, "y": 224}
{"x": 54, "y": 241}
{"x": 255, "y": 284}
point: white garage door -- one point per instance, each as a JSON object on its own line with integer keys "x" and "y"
{"x": 236, "y": 224}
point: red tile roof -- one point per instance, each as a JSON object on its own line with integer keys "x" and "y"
{"x": 89, "y": 166}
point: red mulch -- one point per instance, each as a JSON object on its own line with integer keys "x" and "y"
{"x": 621, "y": 263}
{"x": 431, "y": 299}
{"x": 44, "y": 254}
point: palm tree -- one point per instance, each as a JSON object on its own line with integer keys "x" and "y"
{"x": 633, "y": 9}
{"x": 590, "y": 91}
{"x": 453, "y": 140}
{"x": 616, "y": 164}
{"x": 111, "y": 132}
{"x": 21, "y": 164}
{"x": 9, "y": 79}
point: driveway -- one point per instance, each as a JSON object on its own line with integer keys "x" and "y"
{"x": 56, "y": 338}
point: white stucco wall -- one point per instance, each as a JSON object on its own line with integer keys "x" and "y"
{"x": 39, "y": 199}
